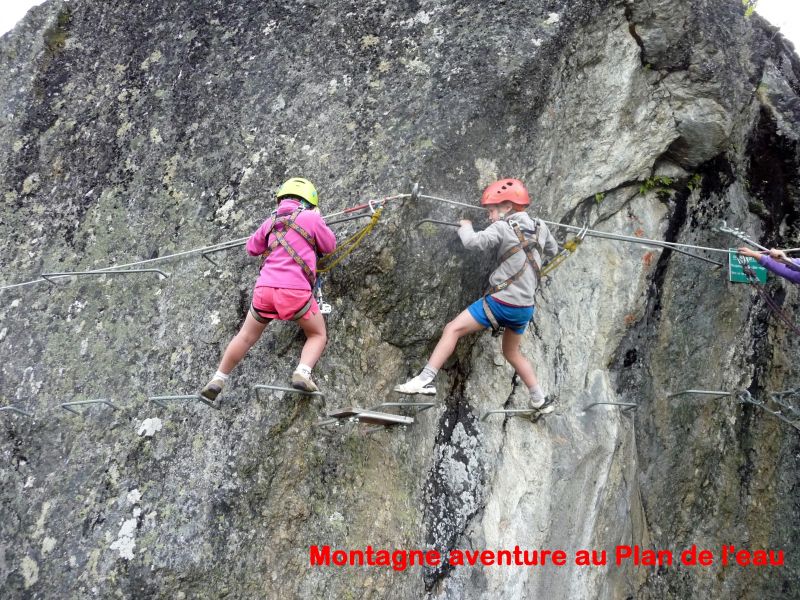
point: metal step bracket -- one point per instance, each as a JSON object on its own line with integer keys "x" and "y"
{"x": 16, "y": 410}
{"x": 625, "y": 405}
{"x": 68, "y": 405}
{"x": 279, "y": 388}
{"x": 219, "y": 248}
{"x": 716, "y": 394}
{"x": 511, "y": 412}
{"x": 362, "y": 415}
{"x": 161, "y": 400}
{"x": 416, "y": 407}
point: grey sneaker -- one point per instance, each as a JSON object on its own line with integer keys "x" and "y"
{"x": 212, "y": 390}
{"x": 548, "y": 406}
{"x": 303, "y": 383}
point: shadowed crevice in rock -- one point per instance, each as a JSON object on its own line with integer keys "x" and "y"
{"x": 774, "y": 177}
{"x": 454, "y": 487}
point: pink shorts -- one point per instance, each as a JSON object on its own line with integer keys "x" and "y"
{"x": 282, "y": 303}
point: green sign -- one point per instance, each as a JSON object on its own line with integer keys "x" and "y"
{"x": 736, "y": 273}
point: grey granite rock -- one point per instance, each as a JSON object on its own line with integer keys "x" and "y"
{"x": 135, "y": 130}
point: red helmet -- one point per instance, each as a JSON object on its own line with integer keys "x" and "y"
{"x": 506, "y": 190}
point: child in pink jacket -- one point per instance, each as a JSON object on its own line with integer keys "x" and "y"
{"x": 291, "y": 239}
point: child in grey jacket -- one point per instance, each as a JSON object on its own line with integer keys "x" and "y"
{"x": 520, "y": 243}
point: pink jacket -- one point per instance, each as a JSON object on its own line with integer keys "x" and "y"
{"x": 280, "y": 270}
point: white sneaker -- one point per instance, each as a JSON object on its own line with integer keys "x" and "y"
{"x": 416, "y": 386}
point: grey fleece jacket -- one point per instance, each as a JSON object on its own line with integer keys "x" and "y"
{"x": 501, "y": 237}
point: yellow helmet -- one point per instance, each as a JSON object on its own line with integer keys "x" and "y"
{"x": 299, "y": 187}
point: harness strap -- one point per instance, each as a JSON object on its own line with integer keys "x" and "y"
{"x": 306, "y": 307}
{"x": 257, "y": 315}
{"x": 295, "y": 317}
{"x": 524, "y": 245}
{"x": 496, "y": 328}
{"x": 280, "y": 240}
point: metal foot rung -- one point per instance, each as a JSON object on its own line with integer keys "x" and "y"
{"x": 160, "y": 400}
{"x": 416, "y": 407}
{"x": 220, "y": 248}
{"x": 624, "y": 405}
{"x": 717, "y": 394}
{"x": 361, "y": 415}
{"x": 513, "y": 412}
{"x": 16, "y": 410}
{"x": 280, "y": 388}
{"x": 67, "y": 405}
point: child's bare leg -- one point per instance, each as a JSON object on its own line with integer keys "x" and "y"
{"x": 525, "y": 370}
{"x": 316, "y": 338}
{"x": 463, "y": 324}
{"x": 521, "y": 364}
{"x": 248, "y": 335}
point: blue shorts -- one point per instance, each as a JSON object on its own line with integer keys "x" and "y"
{"x": 515, "y": 318}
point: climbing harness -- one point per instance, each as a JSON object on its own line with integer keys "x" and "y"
{"x": 523, "y": 246}
{"x": 256, "y": 313}
{"x": 569, "y": 248}
{"x": 288, "y": 222}
{"x": 497, "y": 329}
{"x": 279, "y": 227}
{"x": 531, "y": 259}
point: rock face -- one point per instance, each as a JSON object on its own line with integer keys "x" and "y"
{"x": 133, "y": 131}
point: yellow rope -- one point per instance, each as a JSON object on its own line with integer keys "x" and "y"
{"x": 346, "y": 247}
